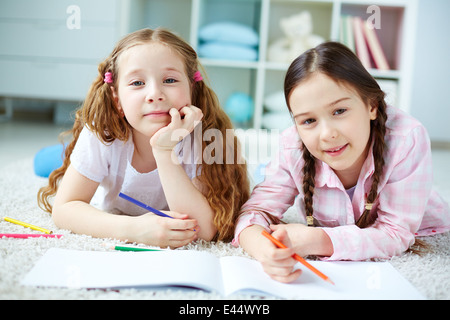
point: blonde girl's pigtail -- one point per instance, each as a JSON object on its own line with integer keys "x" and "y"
{"x": 45, "y": 193}
{"x": 100, "y": 114}
{"x": 227, "y": 184}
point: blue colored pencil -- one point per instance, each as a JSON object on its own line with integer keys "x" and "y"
{"x": 143, "y": 205}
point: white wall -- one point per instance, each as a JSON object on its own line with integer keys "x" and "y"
{"x": 430, "y": 101}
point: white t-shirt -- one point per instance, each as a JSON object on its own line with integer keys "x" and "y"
{"x": 110, "y": 165}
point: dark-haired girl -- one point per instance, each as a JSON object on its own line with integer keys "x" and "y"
{"x": 358, "y": 171}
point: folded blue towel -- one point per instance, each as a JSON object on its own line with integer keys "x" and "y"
{"x": 218, "y": 50}
{"x": 229, "y": 31}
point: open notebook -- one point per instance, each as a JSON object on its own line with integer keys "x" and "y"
{"x": 226, "y": 275}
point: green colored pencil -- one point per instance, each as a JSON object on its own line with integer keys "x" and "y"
{"x": 121, "y": 248}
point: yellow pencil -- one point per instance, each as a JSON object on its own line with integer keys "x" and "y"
{"x": 27, "y": 225}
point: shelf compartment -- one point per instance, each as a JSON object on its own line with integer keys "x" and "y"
{"x": 240, "y": 12}
{"x": 390, "y": 33}
{"x": 228, "y": 80}
{"x": 162, "y": 13}
{"x": 321, "y": 14}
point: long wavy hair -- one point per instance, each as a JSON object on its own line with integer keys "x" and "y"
{"x": 340, "y": 64}
{"x": 226, "y": 184}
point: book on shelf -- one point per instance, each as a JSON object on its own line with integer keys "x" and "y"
{"x": 361, "y": 48}
{"x": 346, "y": 35}
{"x": 374, "y": 46}
{"x": 194, "y": 270}
{"x": 360, "y": 36}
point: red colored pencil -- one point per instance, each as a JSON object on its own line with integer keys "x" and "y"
{"x": 31, "y": 235}
{"x": 296, "y": 257}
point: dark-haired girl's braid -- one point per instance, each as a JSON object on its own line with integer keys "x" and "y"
{"x": 378, "y": 133}
{"x": 309, "y": 173}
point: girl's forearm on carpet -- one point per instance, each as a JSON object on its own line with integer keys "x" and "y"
{"x": 82, "y": 218}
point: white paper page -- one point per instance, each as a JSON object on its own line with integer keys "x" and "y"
{"x": 241, "y": 273}
{"x": 95, "y": 269}
{"x": 353, "y": 280}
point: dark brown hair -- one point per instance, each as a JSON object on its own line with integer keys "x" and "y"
{"x": 340, "y": 64}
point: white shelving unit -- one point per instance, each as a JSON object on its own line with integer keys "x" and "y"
{"x": 262, "y": 77}
{"x": 36, "y": 43}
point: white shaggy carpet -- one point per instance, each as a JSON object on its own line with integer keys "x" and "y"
{"x": 429, "y": 273}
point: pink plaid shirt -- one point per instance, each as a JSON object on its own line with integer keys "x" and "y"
{"x": 407, "y": 206}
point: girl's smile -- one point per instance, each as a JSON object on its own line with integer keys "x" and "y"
{"x": 333, "y": 123}
{"x": 335, "y": 152}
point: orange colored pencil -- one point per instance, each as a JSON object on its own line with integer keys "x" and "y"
{"x": 296, "y": 257}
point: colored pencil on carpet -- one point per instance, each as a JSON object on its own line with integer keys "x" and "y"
{"x": 296, "y": 257}
{"x": 26, "y": 236}
{"x": 130, "y": 248}
{"x": 27, "y": 225}
{"x": 143, "y": 205}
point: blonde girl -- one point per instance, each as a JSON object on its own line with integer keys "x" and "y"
{"x": 135, "y": 134}
{"x": 358, "y": 171}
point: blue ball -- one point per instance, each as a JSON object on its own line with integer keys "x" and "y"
{"x": 48, "y": 159}
{"x": 239, "y": 107}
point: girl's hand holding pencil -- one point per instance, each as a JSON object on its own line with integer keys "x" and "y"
{"x": 171, "y": 229}
{"x": 164, "y": 232}
{"x": 277, "y": 262}
{"x": 305, "y": 263}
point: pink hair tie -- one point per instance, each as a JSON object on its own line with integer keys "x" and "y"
{"x": 198, "y": 76}
{"x": 108, "y": 77}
